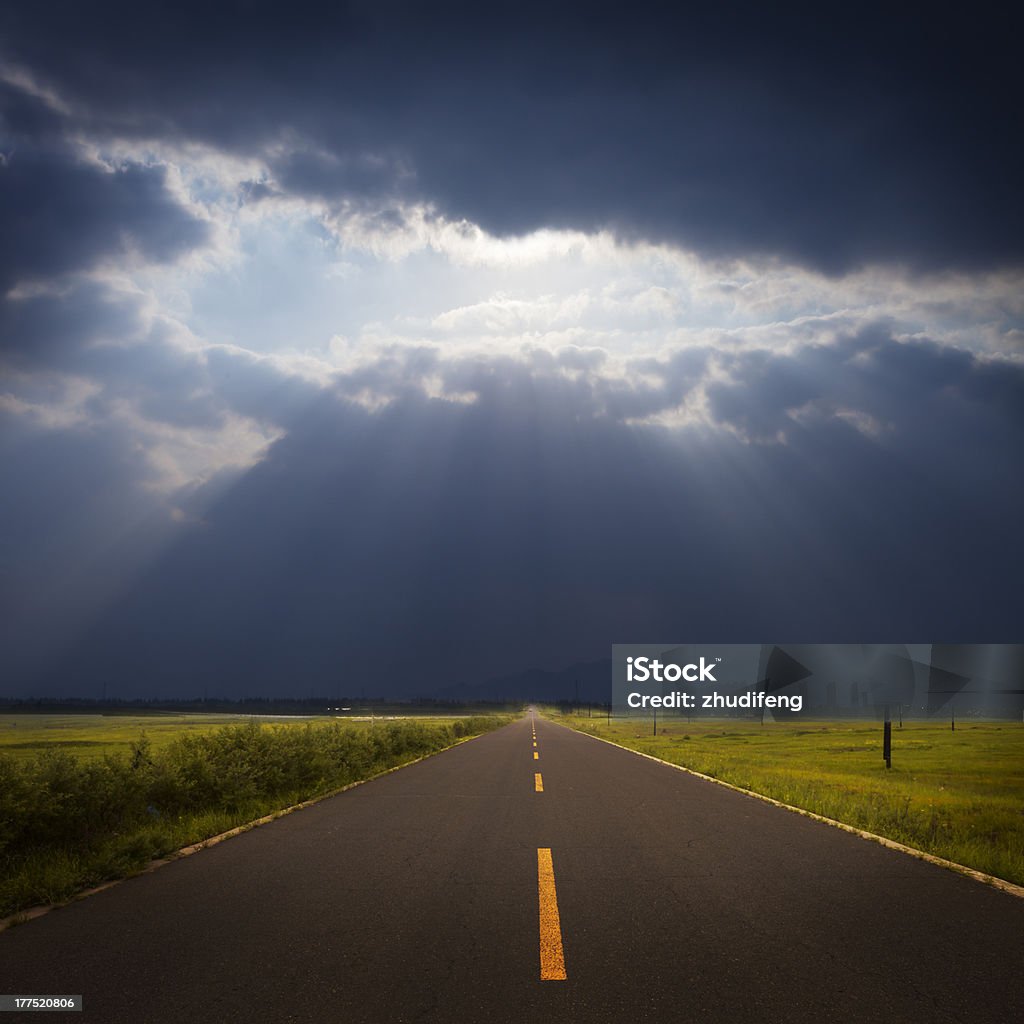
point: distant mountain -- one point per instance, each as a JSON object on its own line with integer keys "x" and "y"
{"x": 588, "y": 681}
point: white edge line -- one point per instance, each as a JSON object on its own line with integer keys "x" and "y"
{"x": 23, "y": 916}
{"x": 952, "y": 865}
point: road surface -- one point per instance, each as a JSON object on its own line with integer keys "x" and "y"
{"x": 569, "y": 881}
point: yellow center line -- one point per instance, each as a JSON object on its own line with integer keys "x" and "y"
{"x": 536, "y": 756}
{"x": 538, "y": 782}
{"x": 535, "y": 743}
{"x": 552, "y": 959}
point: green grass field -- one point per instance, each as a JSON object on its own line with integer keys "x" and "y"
{"x": 92, "y": 736}
{"x": 957, "y": 795}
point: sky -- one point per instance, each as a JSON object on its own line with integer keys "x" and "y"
{"x": 385, "y": 346}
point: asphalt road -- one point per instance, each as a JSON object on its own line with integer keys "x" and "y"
{"x": 421, "y": 896}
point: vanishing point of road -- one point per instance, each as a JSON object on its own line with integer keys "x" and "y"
{"x": 532, "y": 875}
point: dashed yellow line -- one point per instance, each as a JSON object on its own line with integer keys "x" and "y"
{"x": 536, "y": 756}
{"x": 538, "y": 783}
{"x": 552, "y": 957}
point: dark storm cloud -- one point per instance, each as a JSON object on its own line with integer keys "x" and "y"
{"x": 85, "y": 507}
{"x": 93, "y": 332}
{"x": 656, "y": 385}
{"x": 29, "y": 118}
{"x": 402, "y": 549}
{"x": 364, "y": 175}
{"x": 833, "y": 137}
{"x": 50, "y": 329}
{"x": 257, "y": 388}
{"x": 76, "y": 522}
{"x": 60, "y": 214}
